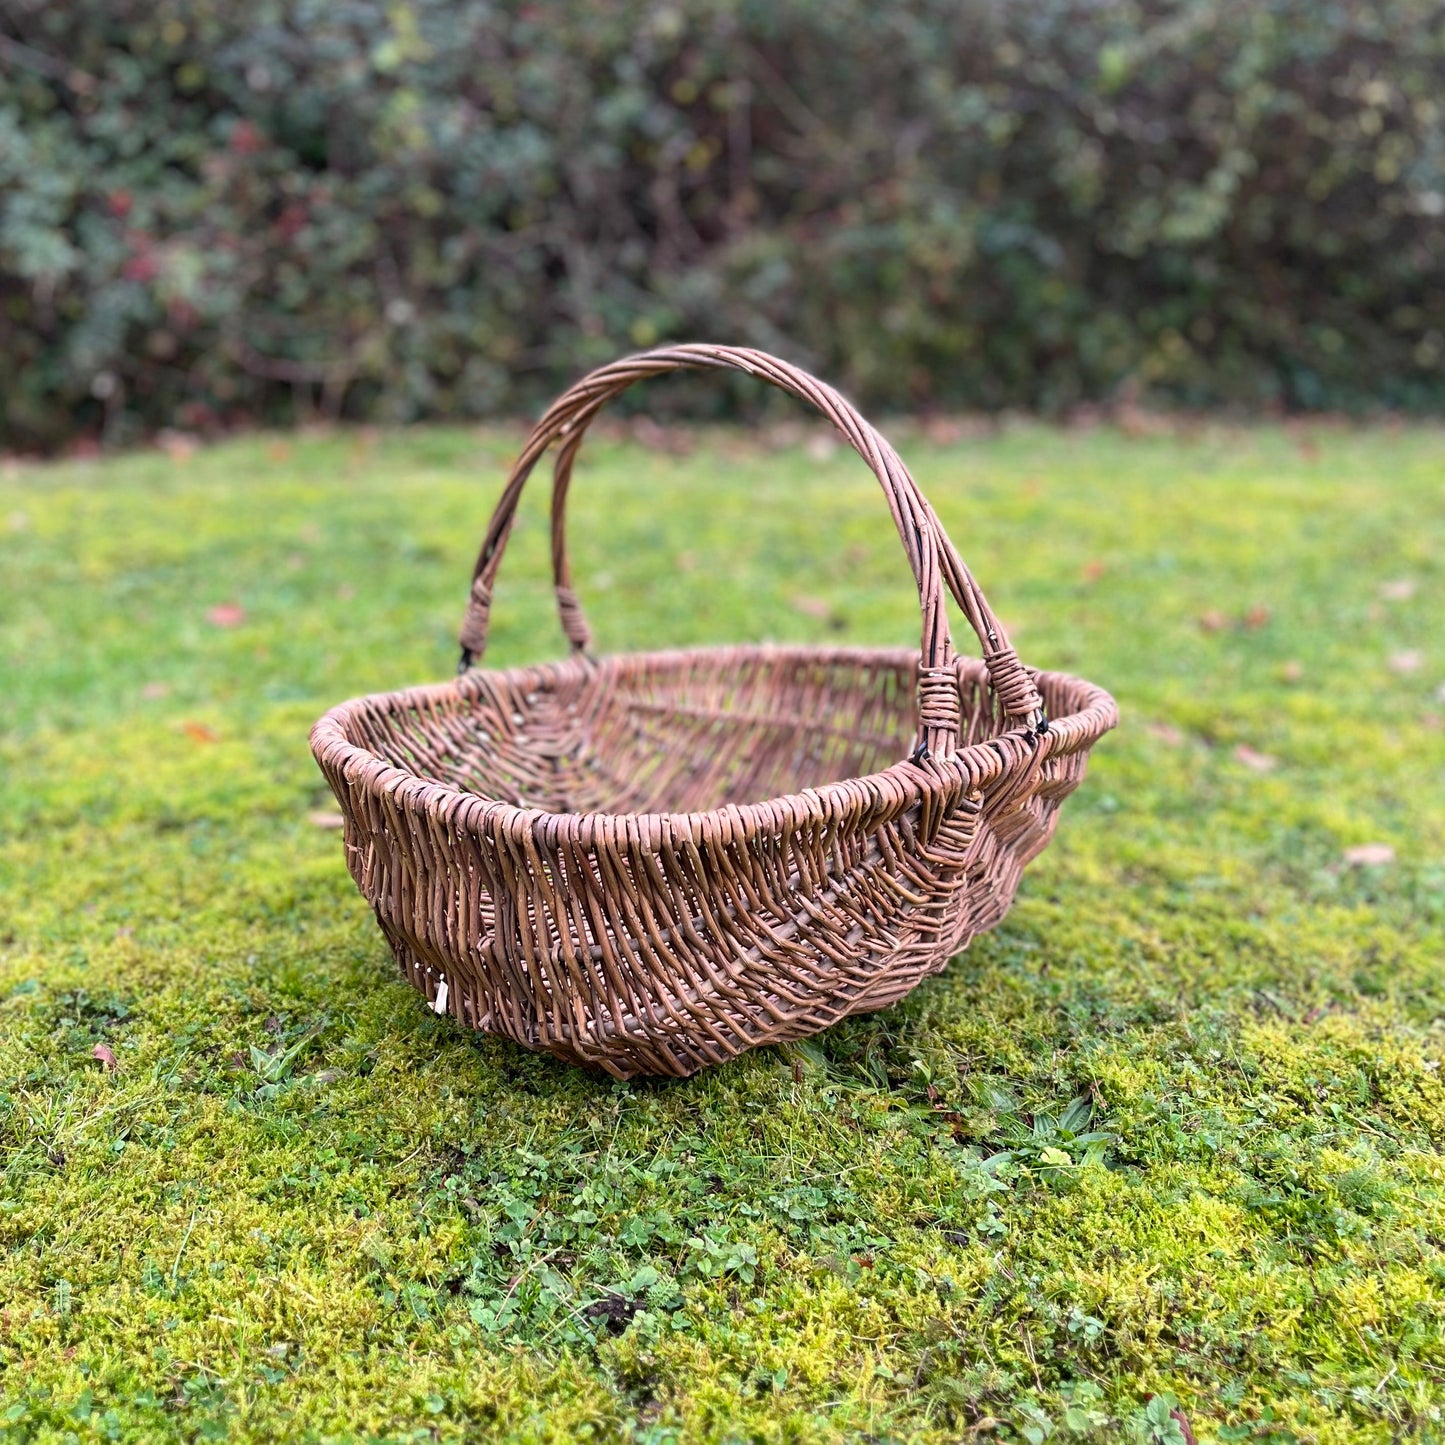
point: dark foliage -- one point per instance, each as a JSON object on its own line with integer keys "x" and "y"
{"x": 214, "y": 212}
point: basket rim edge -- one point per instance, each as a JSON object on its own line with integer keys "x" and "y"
{"x": 974, "y": 766}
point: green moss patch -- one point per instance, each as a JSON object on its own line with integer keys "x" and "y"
{"x": 1172, "y": 1134}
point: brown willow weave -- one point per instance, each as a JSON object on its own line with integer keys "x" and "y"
{"x": 650, "y": 863}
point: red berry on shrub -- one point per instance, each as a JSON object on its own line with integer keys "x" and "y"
{"x": 292, "y": 219}
{"x": 246, "y": 140}
{"x": 141, "y": 266}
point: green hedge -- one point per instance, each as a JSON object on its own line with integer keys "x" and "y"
{"x": 214, "y": 212}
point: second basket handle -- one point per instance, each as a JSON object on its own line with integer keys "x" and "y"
{"x": 932, "y": 556}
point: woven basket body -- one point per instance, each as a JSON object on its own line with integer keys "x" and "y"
{"x": 650, "y": 863}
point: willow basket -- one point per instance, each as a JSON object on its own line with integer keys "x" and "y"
{"x": 650, "y": 863}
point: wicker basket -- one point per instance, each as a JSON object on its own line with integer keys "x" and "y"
{"x": 650, "y": 863}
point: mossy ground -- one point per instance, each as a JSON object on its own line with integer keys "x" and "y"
{"x": 304, "y": 1208}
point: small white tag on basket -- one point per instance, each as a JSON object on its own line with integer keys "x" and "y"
{"x": 439, "y": 1004}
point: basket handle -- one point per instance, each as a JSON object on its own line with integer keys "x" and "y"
{"x": 932, "y": 556}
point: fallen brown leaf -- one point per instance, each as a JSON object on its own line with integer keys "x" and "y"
{"x": 1257, "y": 762}
{"x": 1185, "y": 1430}
{"x": 179, "y": 446}
{"x": 676, "y": 440}
{"x": 106, "y": 1057}
{"x": 1134, "y": 421}
{"x": 943, "y": 431}
{"x": 1369, "y": 855}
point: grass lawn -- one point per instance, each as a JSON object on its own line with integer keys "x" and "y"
{"x": 302, "y": 1207}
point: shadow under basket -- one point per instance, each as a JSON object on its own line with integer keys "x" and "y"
{"x": 648, "y": 863}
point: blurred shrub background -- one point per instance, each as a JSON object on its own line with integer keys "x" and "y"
{"x": 215, "y": 213}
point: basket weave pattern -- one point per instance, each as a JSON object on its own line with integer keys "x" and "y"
{"x": 575, "y": 855}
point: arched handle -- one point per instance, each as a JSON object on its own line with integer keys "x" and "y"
{"x": 931, "y": 555}
{"x": 1012, "y": 685}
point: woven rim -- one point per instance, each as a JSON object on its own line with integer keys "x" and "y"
{"x": 904, "y": 782}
